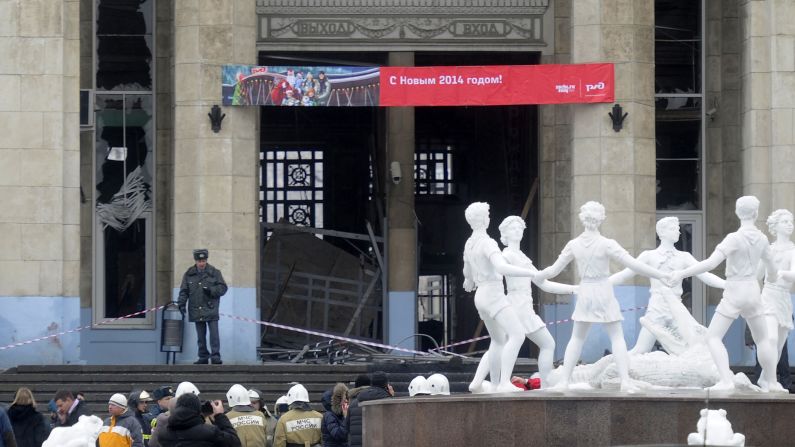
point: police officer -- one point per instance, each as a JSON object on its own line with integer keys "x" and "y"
{"x": 201, "y": 291}
{"x": 299, "y": 427}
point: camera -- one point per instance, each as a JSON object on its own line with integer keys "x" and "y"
{"x": 394, "y": 171}
{"x": 207, "y": 408}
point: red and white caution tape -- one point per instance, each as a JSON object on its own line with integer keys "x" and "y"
{"x": 46, "y": 337}
{"x": 324, "y": 335}
{"x": 285, "y": 327}
{"x": 549, "y": 323}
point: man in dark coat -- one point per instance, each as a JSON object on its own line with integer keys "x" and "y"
{"x": 7, "y": 438}
{"x": 187, "y": 427}
{"x": 201, "y": 291}
{"x": 379, "y": 389}
{"x": 69, "y": 409}
{"x": 333, "y": 431}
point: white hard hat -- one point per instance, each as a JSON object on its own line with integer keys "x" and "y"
{"x": 186, "y": 388}
{"x": 438, "y": 384}
{"x": 118, "y": 400}
{"x": 419, "y": 385}
{"x": 253, "y": 395}
{"x": 297, "y": 394}
{"x": 281, "y": 400}
{"x": 237, "y": 395}
{"x": 144, "y": 397}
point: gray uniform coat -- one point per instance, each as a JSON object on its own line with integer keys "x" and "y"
{"x": 201, "y": 292}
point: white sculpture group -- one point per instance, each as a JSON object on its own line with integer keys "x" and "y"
{"x": 748, "y": 255}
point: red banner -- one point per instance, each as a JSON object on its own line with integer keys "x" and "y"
{"x": 496, "y": 85}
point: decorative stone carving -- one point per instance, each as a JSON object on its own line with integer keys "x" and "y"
{"x": 419, "y": 22}
{"x": 743, "y": 252}
{"x": 714, "y": 429}
{"x": 484, "y": 267}
{"x": 596, "y": 303}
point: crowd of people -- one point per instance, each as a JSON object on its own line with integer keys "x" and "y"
{"x": 170, "y": 417}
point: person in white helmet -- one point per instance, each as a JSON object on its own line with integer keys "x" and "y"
{"x": 138, "y": 402}
{"x": 258, "y": 403}
{"x": 160, "y": 423}
{"x": 121, "y": 428}
{"x": 249, "y": 423}
{"x": 280, "y": 407}
{"x": 301, "y": 425}
{"x": 439, "y": 385}
{"x": 419, "y": 387}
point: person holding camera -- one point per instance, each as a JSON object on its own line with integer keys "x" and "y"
{"x": 201, "y": 291}
{"x": 187, "y": 425}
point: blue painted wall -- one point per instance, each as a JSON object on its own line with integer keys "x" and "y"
{"x": 637, "y": 296}
{"x": 26, "y": 318}
{"x": 402, "y": 318}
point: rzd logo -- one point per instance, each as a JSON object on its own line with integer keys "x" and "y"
{"x": 597, "y": 86}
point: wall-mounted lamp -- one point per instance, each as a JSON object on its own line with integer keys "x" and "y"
{"x": 395, "y": 172}
{"x": 617, "y": 117}
{"x": 713, "y": 110}
{"x": 215, "y": 118}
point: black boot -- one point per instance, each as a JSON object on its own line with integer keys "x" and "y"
{"x": 200, "y": 362}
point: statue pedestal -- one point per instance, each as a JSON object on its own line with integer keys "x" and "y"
{"x": 581, "y": 418}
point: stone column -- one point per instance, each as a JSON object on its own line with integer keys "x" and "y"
{"x": 555, "y": 191}
{"x": 401, "y": 306}
{"x": 617, "y": 168}
{"x": 215, "y": 174}
{"x": 768, "y": 99}
{"x": 39, "y": 177}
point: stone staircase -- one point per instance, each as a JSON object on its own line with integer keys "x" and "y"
{"x": 99, "y": 382}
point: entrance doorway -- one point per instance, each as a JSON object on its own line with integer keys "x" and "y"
{"x": 321, "y": 168}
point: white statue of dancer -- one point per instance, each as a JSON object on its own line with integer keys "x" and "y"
{"x": 742, "y": 251}
{"x": 776, "y": 299}
{"x": 484, "y": 266}
{"x": 595, "y": 300}
{"x": 665, "y": 310}
{"x": 520, "y": 295}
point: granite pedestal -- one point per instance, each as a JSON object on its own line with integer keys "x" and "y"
{"x": 581, "y": 418}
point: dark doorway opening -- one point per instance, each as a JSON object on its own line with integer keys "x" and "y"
{"x": 462, "y": 155}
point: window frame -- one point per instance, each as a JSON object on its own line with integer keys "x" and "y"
{"x": 98, "y": 320}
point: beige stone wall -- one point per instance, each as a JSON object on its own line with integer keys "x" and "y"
{"x": 767, "y": 64}
{"x": 555, "y": 156}
{"x": 86, "y": 155}
{"x": 723, "y": 146}
{"x": 39, "y": 148}
{"x": 616, "y": 168}
{"x": 215, "y": 174}
{"x": 164, "y": 157}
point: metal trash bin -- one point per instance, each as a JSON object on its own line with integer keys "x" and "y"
{"x": 172, "y": 332}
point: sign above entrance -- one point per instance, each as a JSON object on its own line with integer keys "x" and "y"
{"x": 417, "y": 86}
{"x": 496, "y": 85}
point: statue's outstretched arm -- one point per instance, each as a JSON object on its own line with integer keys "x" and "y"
{"x": 503, "y": 267}
{"x": 622, "y": 277}
{"x": 469, "y": 284}
{"x": 556, "y": 287}
{"x": 789, "y": 275}
{"x": 638, "y": 267}
{"x": 770, "y": 264}
{"x": 707, "y": 278}
{"x": 712, "y": 280}
{"x": 554, "y": 270}
{"x": 706, "y": 265}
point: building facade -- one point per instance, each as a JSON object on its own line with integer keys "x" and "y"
{"x": 111, "y": 173}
